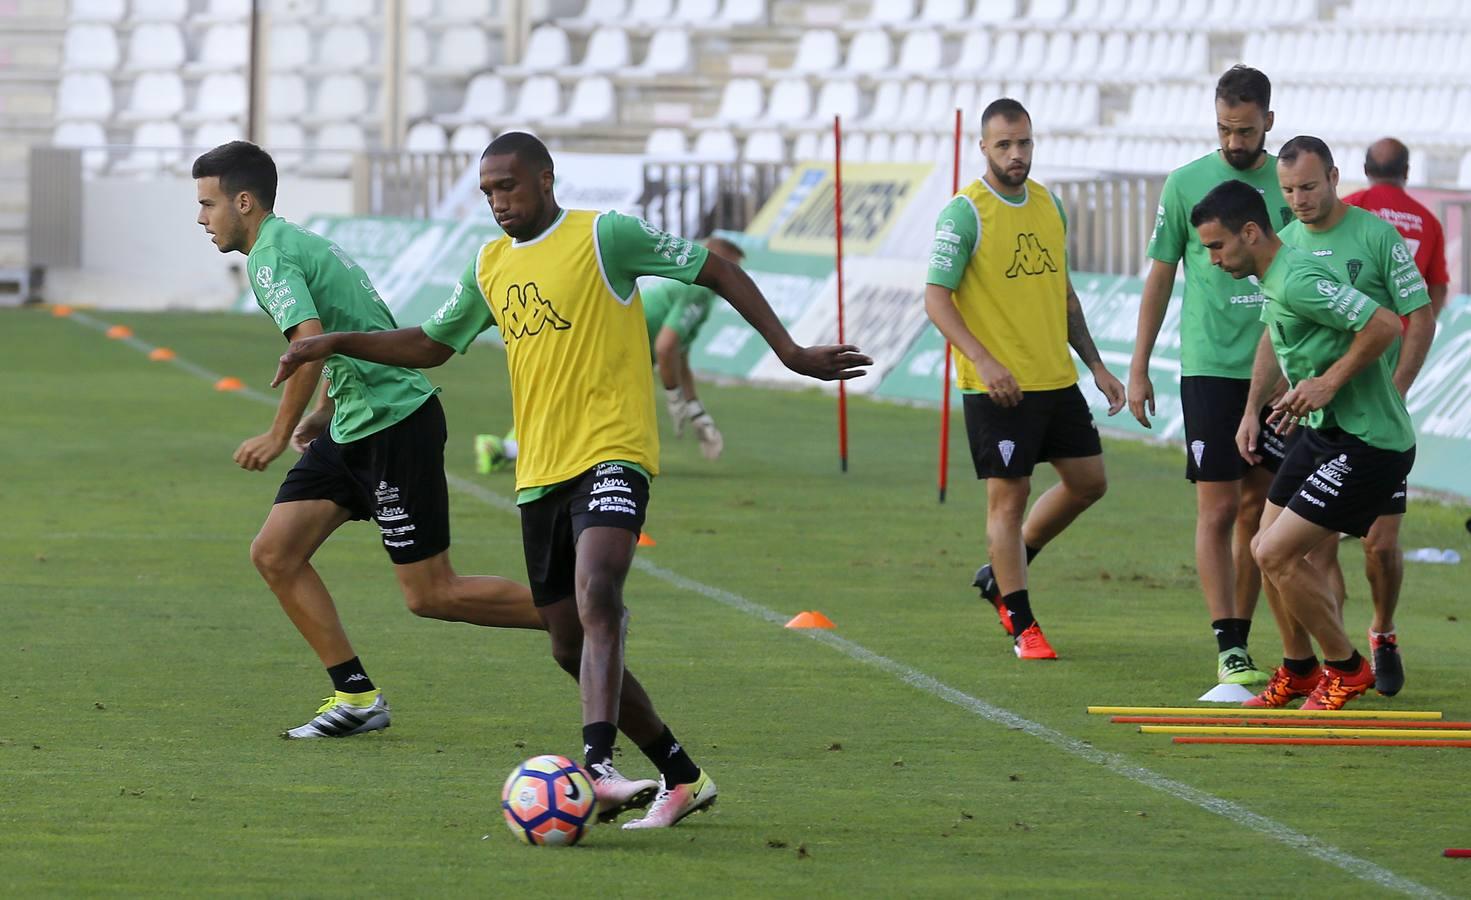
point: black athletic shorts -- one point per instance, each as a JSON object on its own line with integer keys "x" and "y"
{"x": 394, "y": 476}
{"x": 607, "y": 495}
{"x": 1335, "y": 480}
{"x": 1213, "y": 407}
{"x": 1008, "y": 442}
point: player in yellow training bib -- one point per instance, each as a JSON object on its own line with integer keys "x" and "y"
{"x": 998, "y": 290}
{"x": 561, "y": 286}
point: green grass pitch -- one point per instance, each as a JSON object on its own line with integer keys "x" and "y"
{"x": 145, "y": 671}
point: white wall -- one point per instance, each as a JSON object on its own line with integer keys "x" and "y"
{"x": 142, "y": 249}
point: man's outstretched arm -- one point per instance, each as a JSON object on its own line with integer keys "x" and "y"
{"x": 831, "y": 362}
{"x": 407, "y": 347}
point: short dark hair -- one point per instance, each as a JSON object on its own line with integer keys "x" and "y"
{"x": 1007, "y": 108}
{"x": 1306, "y": 143}
{"x": 240, "y": 166}
{"x": 1396, "y": 165}
{"x": 1243, "y": 84}
{"x": 526, "y": 147}
{"x": 1232, "y": 203}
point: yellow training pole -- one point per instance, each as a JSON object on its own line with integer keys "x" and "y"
{"x": 1243, "y": 711}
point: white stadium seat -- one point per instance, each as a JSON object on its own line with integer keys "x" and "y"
{"x": 344, "y": 47}
{"x": 89, "y": 47}
{"x": 158, "y": 10}
{"x": 540, "y": 98}
{"x": 212, "y": 134}
{"x": 547, "y": 49}
{"x": 474, "y": 11}
{"x": 225, "y": 11}
{"x": 804, "y": 148}
{"x": 697, "y": 12}
{"x": 290, "y": 47}
{"x": 426, "y": 137}
{"x": 650, "y": 12}
{"x": 333, "y": 149}
{"x": 837, "y": 98}
{"x": 155, "y": 46}
{"x": 943, "y": 12}
{"x": 461, "y": 51}
{"x": 666, "y": 143}
{"x": 669, "y": 51}
{"x": 891, "y": 12}
{"x": 716, "y": 146}
{"x": 765, "y": 147}
{"x": 818, "y": 52}
{"x": 921, "y": 52}
{"x": 156, "y": 145}
{"x": 220, "y": 97}
{"x": 84, "y": 95}
{"x": 471, "y": 137}
{"x": 340, "y": 98}
{"x": 593, "y": 100}
{"x": 87, "y": 135}
{"x": 602, "y": 12}
{"x": 224, "y": 48}
{"x": 991, "y": 11}
{"x": 607, "y": 51}
{"x": 875, "y": 148}
{"x": 870, "y": 52}
{"x": 286, "y": 96}
{"x": 743, "y": 12}
{"x": 156, "y": 95}
{"x": 485, "y": 99}
{"x": 741, "y": 100}
{"x": 790, "y": 102}
{"x": 975, "y": 52}
{"x": 98, "y": 10}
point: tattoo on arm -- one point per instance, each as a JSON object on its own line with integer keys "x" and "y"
{"x": 1077, "y": 332}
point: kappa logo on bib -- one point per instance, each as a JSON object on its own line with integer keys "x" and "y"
{"x": 1031, "y": 258}
{"x": 526, "y": 312}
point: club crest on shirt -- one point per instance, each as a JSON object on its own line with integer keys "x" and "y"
{"x": 1355, "y": 266}
{"x": 526, "y": 312}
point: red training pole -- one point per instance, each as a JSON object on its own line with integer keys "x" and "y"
{"x": 838, "y": 224}
{"x": 945, "y": 397}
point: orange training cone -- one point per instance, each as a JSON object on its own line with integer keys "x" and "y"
{"x": 61, "y": 311}
{"x": 119, "y": 331}
{"x": 161, "y": 354}
{"x": 645, "y": 541}
{"x": 229, "y": 383}
{"x": 810, "y": 619}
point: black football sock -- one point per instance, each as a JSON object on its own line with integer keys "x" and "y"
{"x": 669, "y": 758}
{"x": 1019, "y": 607}
{"x": 349, "y": 677}
{"x": 1302, "y": 668}
{"x": 1230, "y": 633}
{"x": 597, "y": 743}
{"x": 1349, "y": 665}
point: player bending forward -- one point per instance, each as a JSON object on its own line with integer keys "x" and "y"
{"x": 561, "y": 285}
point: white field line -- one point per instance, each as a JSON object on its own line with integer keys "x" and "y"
{"x": 1116, "y": 763}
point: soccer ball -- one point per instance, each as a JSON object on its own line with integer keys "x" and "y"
{"x": 548, "y": 801}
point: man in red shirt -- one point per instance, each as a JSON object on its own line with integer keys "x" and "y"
{"x": 1387, "y": 165}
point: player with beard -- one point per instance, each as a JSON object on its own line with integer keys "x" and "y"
{"x": 1367, "y": 252}
{"x": 1219, "y": 328}
{"x": 998, "y": 289}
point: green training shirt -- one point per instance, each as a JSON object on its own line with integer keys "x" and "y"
{"x": 682, "y": 308}
{"x": 296, "y": 276}
{"x": 1220, "y": 321}
{"x": 1312, "y": 316}
{"x": 1367, "y": 252}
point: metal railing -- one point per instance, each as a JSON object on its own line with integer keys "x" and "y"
{"x": 408, "y": 185}
{"x": 695, "y": 198}
{"x": 1110, "y": 220}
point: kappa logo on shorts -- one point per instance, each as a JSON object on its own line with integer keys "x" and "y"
{"x": 1006, "y": 448}
{"x": 1197, "y": 450}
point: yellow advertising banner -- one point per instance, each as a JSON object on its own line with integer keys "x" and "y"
{"x": 799, "y": 216}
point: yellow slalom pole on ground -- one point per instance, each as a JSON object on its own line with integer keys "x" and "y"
{"x": 1243, "y": 711}
{"x": 1304, "y": 731}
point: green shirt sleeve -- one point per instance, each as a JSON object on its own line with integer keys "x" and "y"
{"x": 957, "y": 231}
{"x": 280, "y": 289}
{"x": 463, "y": 316}
{"x": 1401, "y": 275}
{"x": 1331, "y": 303}
{"x": 1171, "y": 224}
{"x": 629, "y": 247}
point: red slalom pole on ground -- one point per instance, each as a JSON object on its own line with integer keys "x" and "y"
{"x": 945, "y": 394}
{"x": 842, "y": 338}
